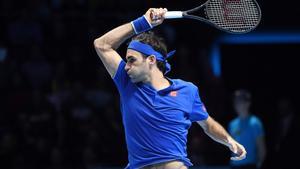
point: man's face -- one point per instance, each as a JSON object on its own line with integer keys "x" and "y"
{"x": 137, "y": 66}
{"x": 241, "y": 106}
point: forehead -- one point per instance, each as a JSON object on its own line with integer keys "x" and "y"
{"x": 240, "y": 100}
{"x": 134, "y": 53}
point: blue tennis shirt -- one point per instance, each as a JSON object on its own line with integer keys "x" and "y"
{"x": 156, "y": 123}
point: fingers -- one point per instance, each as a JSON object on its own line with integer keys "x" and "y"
{"x": 240, "y": 151}
{"x": 155, "y": 16}
{"x": 240, "y": 157}
{"x": 158, "y": 13}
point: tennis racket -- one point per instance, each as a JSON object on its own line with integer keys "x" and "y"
{"x": 232, "y": 16}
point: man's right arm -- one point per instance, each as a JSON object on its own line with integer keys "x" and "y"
{"x": 107, "y": 45}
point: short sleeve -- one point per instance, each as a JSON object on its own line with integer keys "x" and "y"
{"x": 199, "y": 111}
{"x": 231, "y": 127}
{"x": 257, "y": 127}
{"x": 121, "y": 78}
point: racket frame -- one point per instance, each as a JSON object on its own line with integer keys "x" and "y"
{"x": 187, "y": 14}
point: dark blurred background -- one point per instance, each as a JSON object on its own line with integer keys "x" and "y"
{"x": 59, "y": 108}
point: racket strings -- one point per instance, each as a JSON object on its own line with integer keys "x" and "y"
{"x": 233, "y": 15}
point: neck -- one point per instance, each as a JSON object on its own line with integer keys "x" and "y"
{"x": 157, "y": 80}
{"x": 245, "y": 115}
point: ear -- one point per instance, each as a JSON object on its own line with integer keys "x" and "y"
{"x": 152, "y": 59}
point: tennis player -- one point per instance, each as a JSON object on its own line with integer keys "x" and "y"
{"x": 157, "y": 111}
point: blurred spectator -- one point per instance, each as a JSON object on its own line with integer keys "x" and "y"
{"x": 90, "y": 158}
{"x": 56, "y": 159}
{"x": 197, "y": 147}
{"x": 248, "y": 130}
{"x": 286, "y": 135}
{"x": 3, "y": 53}
{"x": 60, "y": 87}
{"x": 8, "y": 149}
{"x": 25, "y": 30}
{"x": 3, "y": 68}
{"x": 37, "y": 70}
{"x": 183, "y": 62}
{"x": 286, "y": 120}
{"x": 6, "y": 7}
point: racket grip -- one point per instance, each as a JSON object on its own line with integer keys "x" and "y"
{"x": 173, "y": 14}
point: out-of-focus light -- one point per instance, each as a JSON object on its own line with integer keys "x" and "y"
{"x": 251, "y": 38}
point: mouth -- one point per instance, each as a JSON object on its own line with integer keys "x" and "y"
{"x": 130, "y": 75}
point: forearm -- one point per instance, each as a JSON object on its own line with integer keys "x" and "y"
{"x": 215, "y": 131}
{"x": 114, "y": 38}
{"x": 261, "y": 151}
{"x": 107, "y": 44}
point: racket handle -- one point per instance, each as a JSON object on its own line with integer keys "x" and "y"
{"x": 173, "y": 14}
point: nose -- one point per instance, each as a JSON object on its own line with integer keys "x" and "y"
{"x": 127, "y": 67}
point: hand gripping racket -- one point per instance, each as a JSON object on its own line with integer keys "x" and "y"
{"x": 232, "y": 16}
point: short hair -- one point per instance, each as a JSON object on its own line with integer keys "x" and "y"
{"x": 242, "y": 94}
{"x": 157, "y": 43}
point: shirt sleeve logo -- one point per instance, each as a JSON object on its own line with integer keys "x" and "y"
{"x": 173, "y": 93}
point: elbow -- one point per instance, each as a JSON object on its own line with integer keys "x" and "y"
{"x": 206, "y": 125}
{"x": 206, "y": 128}
{"x": 101, "y": 45}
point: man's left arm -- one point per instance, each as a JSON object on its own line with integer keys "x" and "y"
{"x": 217, "y": 132}
{"x": 261, "y": 150}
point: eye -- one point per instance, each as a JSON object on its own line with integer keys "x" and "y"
{"x": 131, "y": 60}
